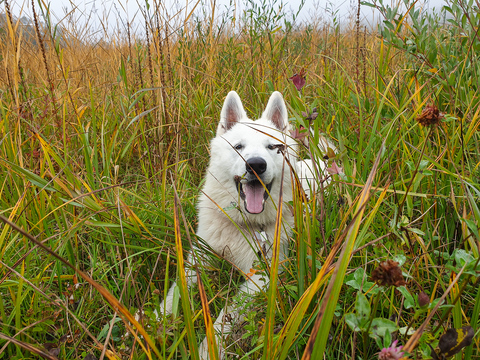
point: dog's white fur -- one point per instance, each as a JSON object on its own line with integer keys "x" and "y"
{"x": 224, "y": 222}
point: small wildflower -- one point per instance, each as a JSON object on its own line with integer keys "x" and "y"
{"x": 252, "y": 272}
{"x": 299, "y": 79}
{"x": 312, "y": 116}
{"x": 299, "y": 134}
{"x": 388, "y": 273}
{"x": 430, "y": 116}
{"x": 335, "y": 169}
{"x": 391, "y": 353}
{"x": 423, "y": 299}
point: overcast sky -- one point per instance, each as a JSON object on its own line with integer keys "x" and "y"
{"x": 126, "y": 10}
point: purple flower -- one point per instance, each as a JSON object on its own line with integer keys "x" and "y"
{"x": 299, "y": 133}
{"x": 310, "y": 116}
{"x": 299, "y": 79}
{"x": 335, "y": 169}
{"x": 391, "y": 353}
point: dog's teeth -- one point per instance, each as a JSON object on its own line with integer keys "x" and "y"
{"x": 243, "y": 181}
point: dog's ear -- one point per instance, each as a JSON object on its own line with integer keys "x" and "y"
{"x": 232, "y": 112}
{"x": 276, "y": 112}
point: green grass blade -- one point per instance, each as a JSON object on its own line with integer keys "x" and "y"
{"x": 320, "y": 333}
{"x": 272, "y": 290}
{"x": 104, "y": 292}
{"x": 187, "y": 310}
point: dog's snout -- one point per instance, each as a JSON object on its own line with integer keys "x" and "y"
{"x": 257, "y": 165}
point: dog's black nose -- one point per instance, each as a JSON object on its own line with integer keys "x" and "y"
{"x": 256, "y": 164}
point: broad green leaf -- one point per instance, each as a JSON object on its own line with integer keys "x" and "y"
{"x": 381, "y": 326}
{"x": 352, "y": 321}
{"x": 409, "y": 300}
{"x": 362, "y": 306}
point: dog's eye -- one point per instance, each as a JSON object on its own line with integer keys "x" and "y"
{"x": 279, "y": 147}
{"x": 238, "y": 147}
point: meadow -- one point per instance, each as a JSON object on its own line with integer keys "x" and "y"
{"x": 104, "y": 140}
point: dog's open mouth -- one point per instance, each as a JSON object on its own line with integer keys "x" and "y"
{"x": 253, "y": 194}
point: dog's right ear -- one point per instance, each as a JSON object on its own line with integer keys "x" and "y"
{"x": 232, "y": 112}
{"x": 276, "y": 112}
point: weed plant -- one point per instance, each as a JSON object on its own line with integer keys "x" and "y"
{"x": 103, "y": 145}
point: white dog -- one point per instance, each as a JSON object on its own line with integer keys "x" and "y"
{"x": 250, "y": 162}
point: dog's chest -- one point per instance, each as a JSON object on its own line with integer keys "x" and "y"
{"x": 236, "y": 243}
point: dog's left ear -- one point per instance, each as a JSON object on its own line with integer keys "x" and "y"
{"x": 276, "y": 111}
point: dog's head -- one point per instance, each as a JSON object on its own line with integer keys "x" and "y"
{"x": 252, "y": 153}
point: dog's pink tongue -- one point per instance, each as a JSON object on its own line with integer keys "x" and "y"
{"x": 254, "y": 198}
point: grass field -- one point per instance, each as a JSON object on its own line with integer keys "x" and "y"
{"x": 103, "y": 145}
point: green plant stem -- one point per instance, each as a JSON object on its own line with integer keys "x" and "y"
{"x": 414, "y": 173}
{"x": 365, "y": 333}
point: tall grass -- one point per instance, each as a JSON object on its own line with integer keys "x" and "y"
{"x": 103, "y": 145}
